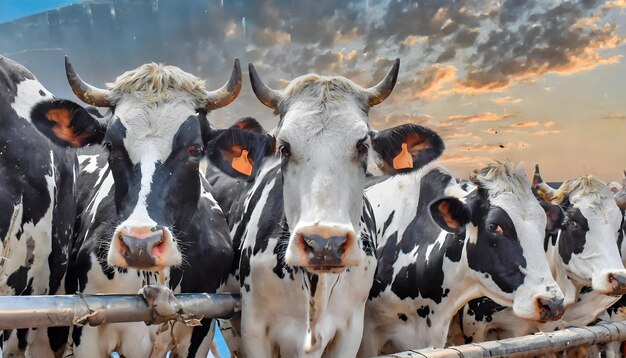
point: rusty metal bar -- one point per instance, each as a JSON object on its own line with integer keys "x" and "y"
{"x": 540, "y": 343}
{"x": 65, "y": 310}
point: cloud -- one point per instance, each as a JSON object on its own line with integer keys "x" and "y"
{"x": 480, "y": 117}
{"x": 619, "y": 117}
{"x": 428, "y": 83}
{"x": 458, "y": 135}
{"x": 546, "y": 132}
{"x": 533, "y": 124}
{"x": 507, "y": 99}
{"x": 615, "y": 4}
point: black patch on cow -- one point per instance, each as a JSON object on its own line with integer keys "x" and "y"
{"x": 22, "y": 341}
{"x": 42, "y": 93}
{"x": 387, "y": 223}
{"x": 499, "y": 256}
{"x": 482, "y": 309}
{"x": 314, "y": 279}
{"x": 573, "y": 234}
{"x": 175, "y": 189}
{"x": 620, "y": 234}
{"x": 423, "y": 311}
{"x": 197, "y": 335}
{"x": 244, "y": 267}
{"x": 403, "y": 317}
{"x": 19, "y": 282}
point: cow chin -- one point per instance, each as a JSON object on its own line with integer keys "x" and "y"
{"x": 137, "y": 249}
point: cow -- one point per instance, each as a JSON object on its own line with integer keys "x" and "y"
{"x": 303, "y": 225}
{"x": 146, "y": 215}
{"x": 440, "y": 247}
{"x": 37, "y": 206}
{"x": 581, "y": 244}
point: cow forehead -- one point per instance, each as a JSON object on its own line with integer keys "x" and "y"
{"x": 600, "y": 212}
{"x": 335, "y": 124}
{"x": 522, "y": 210}
{"x": 150, "y": 128}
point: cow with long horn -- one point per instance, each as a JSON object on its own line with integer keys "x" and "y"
{"x": 306, "y": 231}
{"x": 145, "y": 213}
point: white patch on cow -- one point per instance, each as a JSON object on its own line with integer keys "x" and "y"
{"x": 27, "y": 96}
{"x": 92, "y": 163}
{"x": 104, "y": 189}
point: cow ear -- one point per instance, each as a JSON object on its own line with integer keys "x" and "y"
{"x": 451, "y": 214}
{"x": 406, "y": 148}
{"x": 554, "y": 216}
{"x": 239, "y": 150}
{"x": 67, "y": 123}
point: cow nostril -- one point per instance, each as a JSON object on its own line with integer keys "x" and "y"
{"x": 618, "y": 282}
{"x": 551, "y": 309}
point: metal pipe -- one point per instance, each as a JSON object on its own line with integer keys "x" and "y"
{"x": 536, "y": 344}
{"x": 66, "y": 310}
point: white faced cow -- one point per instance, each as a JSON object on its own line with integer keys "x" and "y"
{"x": 440, "y": 247}
{"x": 581, "y": 244}
{"x": 305, "y": 230}
{"x": 37, "y": 205}
{"x": 144, "y": 208}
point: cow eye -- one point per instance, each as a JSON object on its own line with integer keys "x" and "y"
{"x": 285, "y": 150}
{"x": 108, "y": 146}
{"x": 194, "y": 150}
{"x": 574, "y": 224}
{"x": 495, "y": 229}
{"x": 362, "y": 148}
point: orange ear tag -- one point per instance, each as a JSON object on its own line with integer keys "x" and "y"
{"x": 241, "y": 164}
{"x": 403, "y": 160}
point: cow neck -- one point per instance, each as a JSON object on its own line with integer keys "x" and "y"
{"x": 317, "y": 296}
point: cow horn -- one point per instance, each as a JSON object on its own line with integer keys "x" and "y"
{"x": 228, "y": 92}
{"x": 543, "y": 190}
{"x": 268, "y": 96}
{"x": 84, "y": 91}
{"x": 383, "y": 89}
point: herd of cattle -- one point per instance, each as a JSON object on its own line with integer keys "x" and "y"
{"x": 332, "y": 257}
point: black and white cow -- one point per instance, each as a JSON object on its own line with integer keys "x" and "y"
{"x": 305, "y": 231}
{"x": 145, "y": 213}
{"x": 37, "y": 205}
{"x": 440, "y": 247}
{"x": 581, "y": 245}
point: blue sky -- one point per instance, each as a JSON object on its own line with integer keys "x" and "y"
{"x": 12, "y": 9}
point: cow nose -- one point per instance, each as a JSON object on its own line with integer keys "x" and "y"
{"x": 550, "y": 308}
{"x": 618, "y": 283}
{"x": 322, "y": 251}
{"x": 139, "y": 246}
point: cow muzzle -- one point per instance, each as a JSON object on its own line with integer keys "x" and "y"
{"x": 146, "y": 248}
{"x": 550, "y": 308}
{"x": 322, "y": 249}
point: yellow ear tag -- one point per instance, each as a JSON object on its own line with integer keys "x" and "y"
{"x": 403, "y": 160}
{"x": 241, "y": 164}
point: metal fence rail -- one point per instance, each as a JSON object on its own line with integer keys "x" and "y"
{"x": 65, "y": 310}
{"x": 537, "y": 344}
